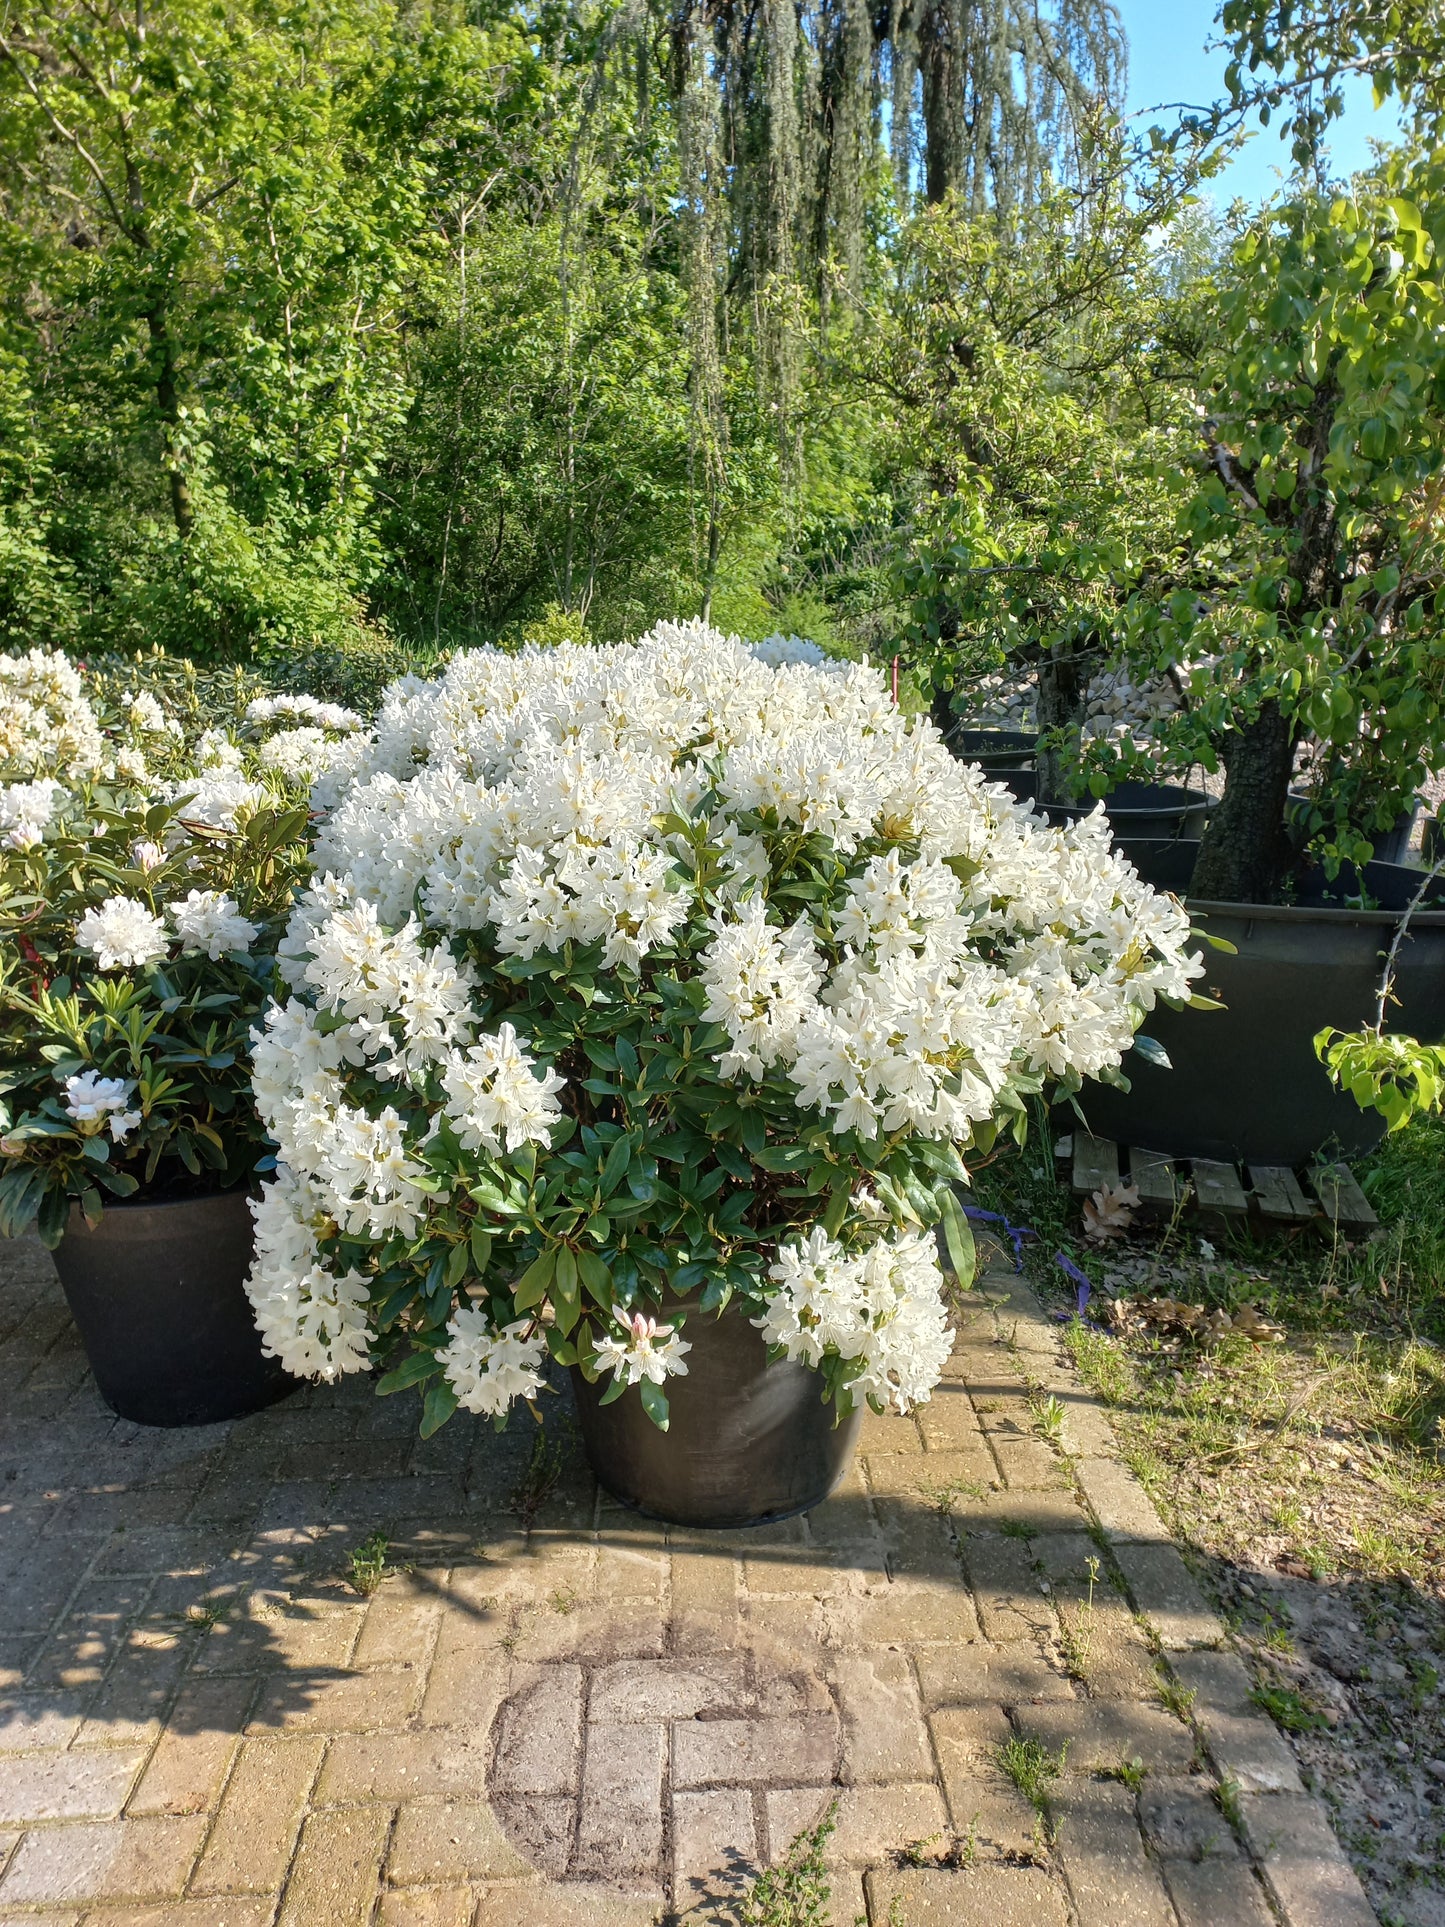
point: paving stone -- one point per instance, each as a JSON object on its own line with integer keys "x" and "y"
{"x": 1209, "y": 1893}
{"x": 187, "y": 1769}
{"x": 1102, "y": 1733}
{"x": 567, "y": 1907}
{"x": 1182, "y": 1821}
{"x": 908, "y": 1613}
{"x": 1006, "y": 1590}
{"x": 619, "y": 1834}
{"x": 1109, "y": 1874}
{"x": 1117, "y": 1500}
{"x": 451, "y": 1840}
{"x": 346, "y": 1702}
{"x": 89, "y": 1785}
{"x": 539, "y": 1732}
{"x": 1163, "y": 1589}
{"x": 568, "y": 1630}
{"x": 1247, "y": 1748}
{"x": 919, "y": 1545}
{"x": 38, "y": 1720}
{"x": 934, "y": 1478}
{"x": 884, "y": 1737}
{"x": 887, "y": 1434}
{"x": 251, "y": 1643}
{"x": 714, "y": 1843}
{"x": 1304, "y": 1867}
{"x": 1220, "y": 1681}
{"x": 799, "y": 1751}
{"x": 967, "y": 1736}
{"x": 641, "y": 1691}
{"x": 966, "y": 1675}
{"x": 1013, "y": 1512}
{"x": 1031, "y": 1465}
{"x": 443, "y": 1761}
{"x": 337, "y": 1867}
{"x": 231, "y": 1912}
{"x": 400, "y": 1626}
{"x": 428, "y": 1907}
{"x": 251, "y": 1842}
{"x": 947, "y": 1422}
{"x": 470, "y": 1670}
{"x": 980, "y": 1896}
{"x": 816, "y": 1572}
{"x": 872, "y": 1822}
{"x": 137, "y": 1859}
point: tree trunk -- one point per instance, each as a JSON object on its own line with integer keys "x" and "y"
{"x": 1246, "y": 853}
{"x": 168, "y": 407}
{"x": 714, "y": 544}
{"x": 1063, "y": 688}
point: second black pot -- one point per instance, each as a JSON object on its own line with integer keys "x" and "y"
{"x": 1246, "y": 1084}
{"x": 747, "y": 1441}
{"x": 158, "y": 1294}
{"x": 1162, "y": 811}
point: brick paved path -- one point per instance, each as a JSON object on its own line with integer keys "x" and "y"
{"x": 597, "y": 1720}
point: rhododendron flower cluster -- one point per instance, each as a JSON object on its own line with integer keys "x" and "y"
{"x": 668, "y": 972}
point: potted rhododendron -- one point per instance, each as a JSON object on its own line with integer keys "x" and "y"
{"x": 644, "y": 1009}
{"x": 139, "y": 916}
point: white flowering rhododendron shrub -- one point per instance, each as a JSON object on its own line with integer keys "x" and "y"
{"x": 638, "y": 979}
{"x": 147, "y": 870}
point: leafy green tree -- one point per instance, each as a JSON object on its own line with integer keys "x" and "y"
{"x": 214, "y": 222}
{"x": 1306, "y": 601}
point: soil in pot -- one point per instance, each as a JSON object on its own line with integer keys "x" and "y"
{"x": 747, "y": 1441}
{"x": 1245, "y": 1084}
{"x": 995, "y": 749}
{"x": 158, "y": 1293}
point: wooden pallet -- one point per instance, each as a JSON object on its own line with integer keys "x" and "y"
{"x": 1218, "y": 1195}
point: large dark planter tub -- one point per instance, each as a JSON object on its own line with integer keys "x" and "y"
{"x": 746, "y": 1441}
{"x": 1245, "y": 1084}
{"x": 158, "y": 1293}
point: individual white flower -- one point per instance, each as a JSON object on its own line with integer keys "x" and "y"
{"x": 211, "y": 920}
{"x": 495, "y": 1098}
{"x": 122, "y": 934}
{"x": 23, "y": 836}
{"x": 645, "y": 1350}
{"x": 95, "y": 1102}
{"x": 487, "y": 1368}
{"x": 146, "y": 855}
{"x": 131, "y": 764}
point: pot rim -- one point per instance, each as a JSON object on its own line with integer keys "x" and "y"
{"x": 133, "y": 1204}
{"x": 1330, "y": 913}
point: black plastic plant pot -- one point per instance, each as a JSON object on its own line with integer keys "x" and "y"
{"x": 158, "y": 1294}
{"x": 1158, "y": 812}
{"x": 1004, "y": 755}
{"x": 1245, "y": 1084}
{"x": 746, "y": 1441}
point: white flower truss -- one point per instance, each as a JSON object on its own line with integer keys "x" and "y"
{"x": 211, "y": 921}
{"x": 46, "y": 722}
{"x": 122, "y": 934}
{"x": 96, "y": 1102}
{"x": 882, "y": 951}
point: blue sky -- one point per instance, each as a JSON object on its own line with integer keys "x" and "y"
{"x": 1168, "y": 62}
